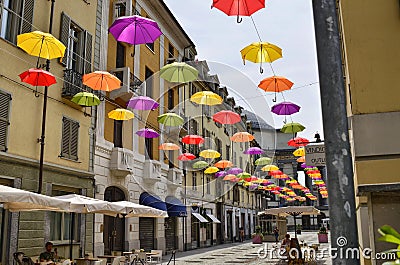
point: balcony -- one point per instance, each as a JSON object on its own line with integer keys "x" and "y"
{"x": 130, "y": 84}
{"x": 72, "y": 83}
{"x": 121, "y": 162}
{"x": 151, "y": 171}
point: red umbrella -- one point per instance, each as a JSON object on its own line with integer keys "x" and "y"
{"x": 226, "y": 117}
{"x": 186, "y": 157}
{"x": 38, "y": 77}
{"x": 275, "y": 173}
{"x": 193, "y": 139}
{"x": 298, "y": 142}
{"x": 239, "y": 7}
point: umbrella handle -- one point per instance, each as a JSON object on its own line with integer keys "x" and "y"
{"x": 36, "y": 92}
{"x": 261, "y": 70}
{"x": 239, "y": 19}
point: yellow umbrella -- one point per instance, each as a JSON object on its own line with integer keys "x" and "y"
{"x": 261, "y": 52}
{"x": 101, "y": 80}
{"x": 206, "y": 98}
{"x": 211, "y": 170}
{"x": 299, "y": 152}
{"x": 209, "y": 153}
{"x": 270, "y": 168}
{"x": 40, "y": 44}
{"x": 121, "y": 114}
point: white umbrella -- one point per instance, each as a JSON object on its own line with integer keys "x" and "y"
{"x": 137, "y": 210}
{"x": 21, "y": 200}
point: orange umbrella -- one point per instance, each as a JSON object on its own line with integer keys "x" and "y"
{"x": 168, "y": 147}
{"x": 242, "y": 137}
{"x": 301, "y": 159}
{"x": 229, "y": 177}
{"x": 101, "y": 80}
{"x": 223, "y": 164}
{"x": 275, "y": 84}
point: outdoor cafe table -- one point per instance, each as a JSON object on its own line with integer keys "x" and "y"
{"x": 85, "y": 261}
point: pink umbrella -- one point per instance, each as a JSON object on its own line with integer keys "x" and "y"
{"x": 253, "y": 151}
{"x": 143, "y": 103}
{"x": 147, "y": 133}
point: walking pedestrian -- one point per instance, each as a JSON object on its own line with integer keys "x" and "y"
{"x": 241, "y": 232}
{"x": 276, "y": 233}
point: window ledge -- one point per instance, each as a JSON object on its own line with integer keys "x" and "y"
{"x": 69, "y": 159}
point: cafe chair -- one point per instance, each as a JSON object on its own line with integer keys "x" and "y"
{"x": 22, "y": 259}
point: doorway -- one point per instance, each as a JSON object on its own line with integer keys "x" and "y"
{"x": 170, "y": 233}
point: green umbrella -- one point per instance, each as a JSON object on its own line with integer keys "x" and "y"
{"x": 244, "y": 175}
{"x": 292, "y": 127}
{"x": 200, "y": 165}
{"x": 170, "y": 119}
{"x": 86, "y": 99}
{"x": 179, "y": 72}
{"x": 262, "y": 161}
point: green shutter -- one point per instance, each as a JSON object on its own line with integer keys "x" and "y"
{"x": 64, "y": 34}
{"x": 5, "y": 100}
{"x": 27, "y": 16}
{"x": 88, "y": 52}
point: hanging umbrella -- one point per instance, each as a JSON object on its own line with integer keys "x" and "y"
{"x": 211, "y": 170}
{"x": 38, "y": 77}
{"x": 244, "y": 175}
{"x": 186, "y": 157}
{"x": 292, "y": 127}
{"x": 40, "y": 44}
{"x": 235, "y": 171}
{"x": 242, "y": 137}
{"x": 170, "y": 119}
{"x": 275, "y": 172}
{"x": 239, "y": 7}
{"x": 85, "y": 99}
{"x": 179, "y": 72}
{"x": 298, "y": 142}
{"x": 261, "y": 52}
{"x": 223, "y": 164}
{"x": 253, "y": 151}
{"x": 206, "y": 98}
{"x": 301, "y": 159}
{"x": 200, "y": 165}
{"x": 262, "y": 161}
{"x": 229, "y": 177}
{"x": 168, "y": 147}
{"x": 147, "y": 133}
{"x": 226, "y": 117}
{"x": 283, "y": 108}
{"x": 101, "y": 80}
{"x": 121, "y": 114}
{"x": 277, "y": 84}
{"x": 299, "y": 152}
{"x": 303, "y": 165}
{"x": 193, "y": 139}
{"x": 143, "y": 103}
{"x": 209, "y": 153}
{"x": 220, "y": 174}
{"x": 270, "y": 168}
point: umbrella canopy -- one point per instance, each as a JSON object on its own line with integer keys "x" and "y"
{"x": 276, "y": 84}
{"x": 193, "y": 139}
{"x": 38, "y": 77}
{"x": 143, "y": 103}
{"x": 85, "y": 99}
{"x": 83, "y": 204}
{"x": 40, "y": 44}
{"x": 244, "y": 175}
{"x": 301, "y": 159}
{"x": 299, "y": 152}
{"x": 147, "y": 133}
{"x": 200, "y": 165}
{"x": 186, "y": 157}
{"x": 209, "y": 153}
{"x": 253, "y": 151}
{"x": 220, "y": 174}
{"x": 262, "y": 161}
{"x": 223, "y": 164}
{"x": 292, "y": 127}
{"x": 261, "y": 52}
{"x": 298, "y": 142}
{"x": 211, "y": 170}
{"x": 242, "y": 137}
{"x": 206, "y": 98}
{"x": 239, "y": 7}
{"x": 131, "y": 209}
{"x": 226, "y": 117}
{"x": 170, "y": 119}
{"x": 179, "y": 72}
{"x": 284, "y": 108}
{"x": 229, "y": 177}
{"x": 270, "y": 168}
{"x": 21, "y": 200}
{"x": 101, "y": 80}
{"x": 168, "y": 147}
{"x": 235, "y": 171}
{"x": 121, "y": 114}
{"x": 292, "y": 210}
{"x": 135, "y": 30}
{"x": 303, "y": 165}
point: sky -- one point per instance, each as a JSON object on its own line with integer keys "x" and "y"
{"x": 285, "y": 23}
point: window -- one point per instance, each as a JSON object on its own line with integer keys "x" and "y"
{"x": 171, "y": 51}
{"x": 118, "y": 133}
{"x": 236, "y": 194}
{"x": 193, "y": 127}
{"x": 16, "y": 18}
{"x": 234, "y": 158}
{"x": 208, "y": 185}
{"x": 120, "y": 58}
{"x": 170, "y": 99}
{"x": 122, "y": 8}
{"x": 149, "y": 82}
{"x": 148, "y": 142}
{"x": 218, "y": 145}
{"x": 194, "y": 181}
{"x": 240, "y": 162}
{"x": 150, "y": 46}
{"x": 70, "y": 133}
{"x": 5, "y": 102}
{"x": 228, "y": 152}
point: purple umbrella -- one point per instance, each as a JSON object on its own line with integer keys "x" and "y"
{"x": 235, "y": 171}
{"x": 147, "y": 133}
{"x": 143, "y": 103}
{"x": 253, "y": 186}
{"x": 285, "y": 108}
{"x": 135, "y": 30}
{"x": 220, "y": 174}
{"x": 253, "y": 151}
{"x": 303, "y": 165}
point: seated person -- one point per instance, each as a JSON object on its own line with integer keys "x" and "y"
{"x": 48, "y": 255}
{"x": 286, "y": 241}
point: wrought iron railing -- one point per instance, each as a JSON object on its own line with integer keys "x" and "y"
{"x": 135, "y": 83}
{"x": 72, "y": 83}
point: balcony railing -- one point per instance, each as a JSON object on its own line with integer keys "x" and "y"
{"x": 135, "y": 83}
{"x": 72, "y": 83}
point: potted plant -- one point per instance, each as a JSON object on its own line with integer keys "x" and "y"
{"x": 322, "y": 235}
{"x": 298, "y": 229}
{"x": 257, "y": 236}
{"x": 390, "y": 235}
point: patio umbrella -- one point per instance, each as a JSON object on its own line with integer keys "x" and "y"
{"x": 147, "y": 133}
{"x": 186, "y": 157}
{"x": 85, "y": 99}
{"x": 170, "y": 119}
{"x": 121, "y": 114}
{"x": 298, "y": 142}
{"x": 292, "y": 127}
{"x": 200, "y": 165}
{"x": 223, "y": 164}
{"x": 283, "y": 108}
{"x": 270, "y": 168}
{"x": 299, "y": 152}
{"x": 38, "y": 77}
{"x": 130, "y": 209}
{"x": 253, "y": 151}
{"x": 261, "y": 52}
{"x": 101, "y": 80}
{"x": 226, "y": 117}
{"x": 242, "y": 137}
{"x": 143, "y": 103}
{"x": 193, "y": 139}
{"x": 168, "y": 147}
{"x": 211, "y": 170}
{"x": 40, "y": 44}
{"x": 239, "y": 7}
{"x": 220, "y": 174}
{"x": 209, "y": 153}
{"x": 235, "y": 171}
{"x": 275, "y": 84}
{"x": 262, "y": 161}
{"x": 179, "y": 72}
{"x": 135, "y": 30}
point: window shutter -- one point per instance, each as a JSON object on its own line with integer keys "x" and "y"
{"x": 27, "y": 16}
{"x": 74, "y": 140}
{"x": 69, "y": 142}
{"x": 88, "y": 52}
{"x": 66, "y": 135}
{"x": 5, "y": 100}
{"x": 64, "y": 34}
